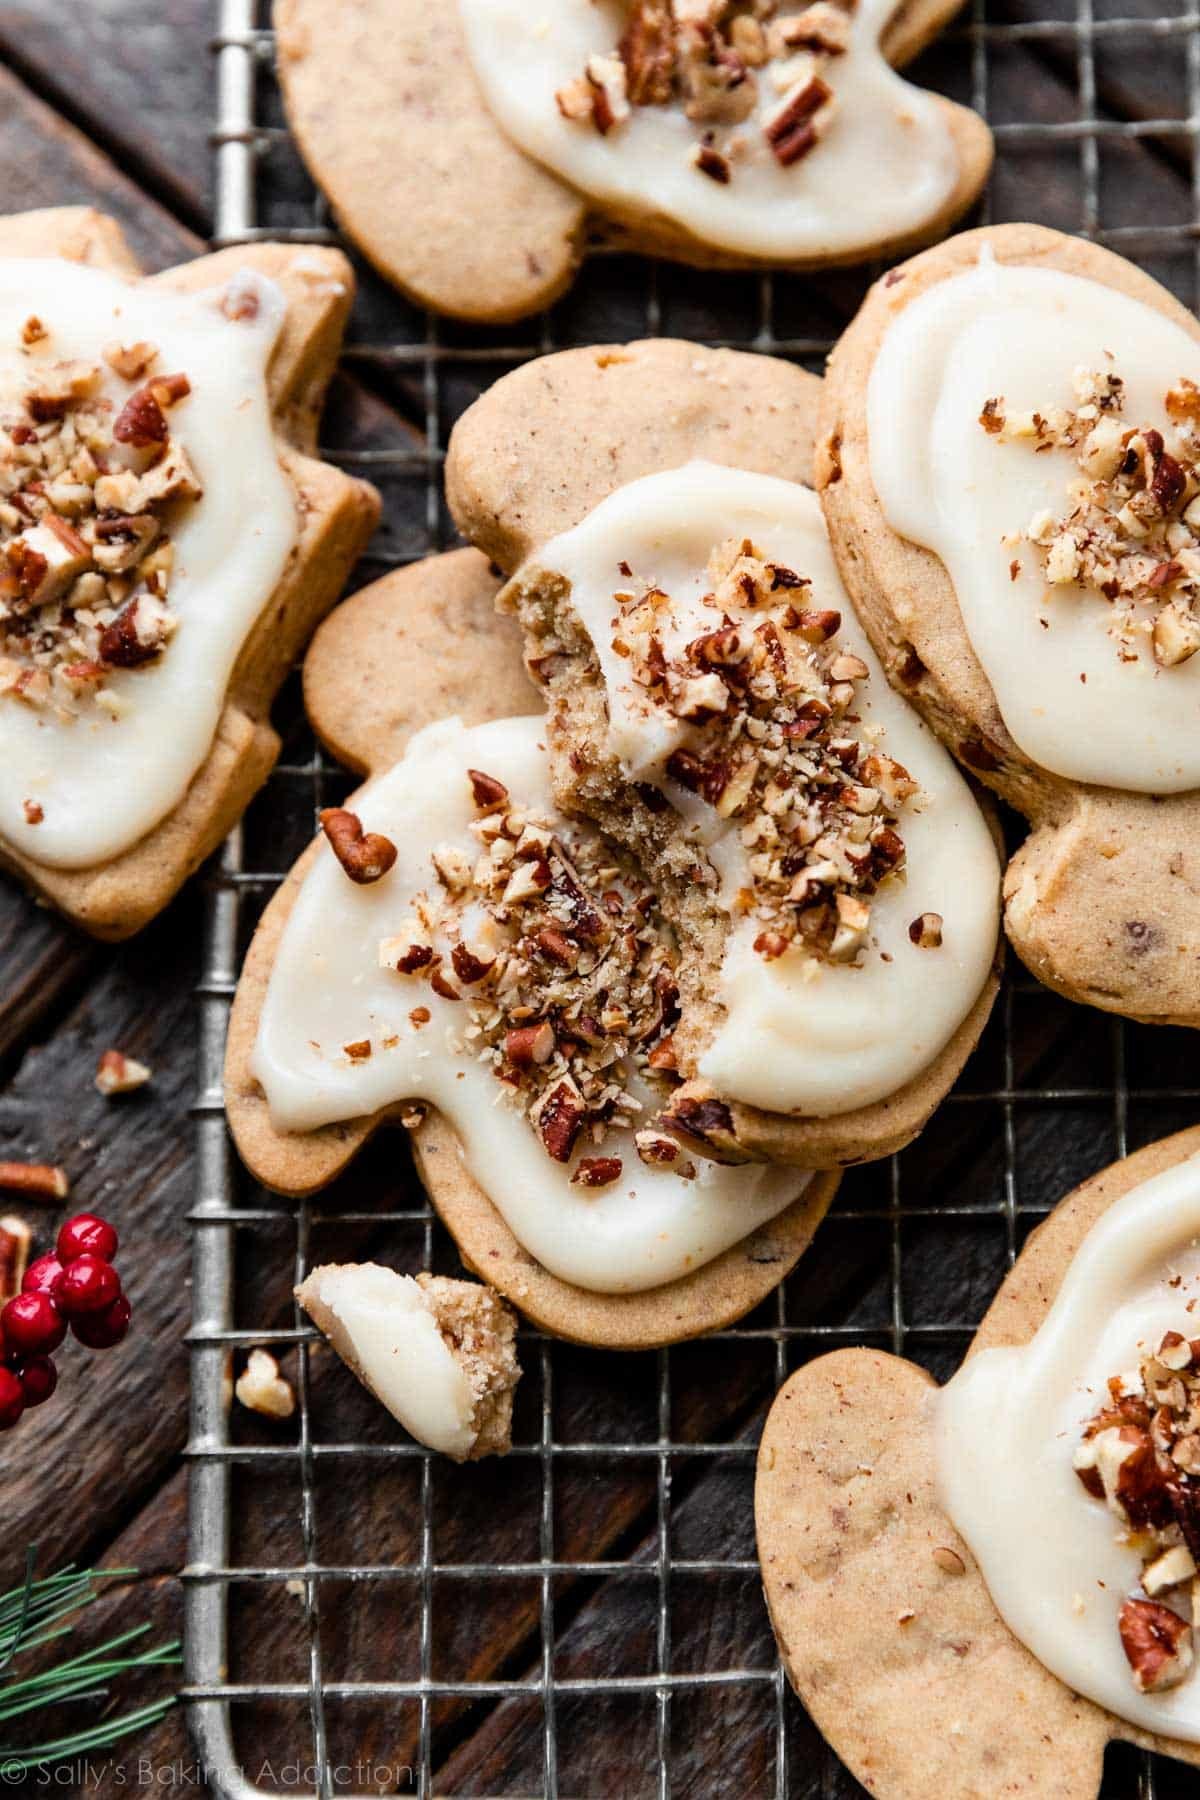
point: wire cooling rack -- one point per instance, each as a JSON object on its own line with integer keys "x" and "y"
{"x": 585, "y": 1618}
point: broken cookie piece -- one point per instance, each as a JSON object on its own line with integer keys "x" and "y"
{"x": 976, "y": 1589}
{"x": 439, "y": 1354}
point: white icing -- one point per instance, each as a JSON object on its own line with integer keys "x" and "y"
{"x": 1007, "y": 1427}
{"x": 103, "y": 782}
{"x": 799, "y": 1036}
{"x": 403, "y": 1356}
{"x": 327, "y": 990}
{"x": 885, "y": 168}
{"x": 1003, "y": 329}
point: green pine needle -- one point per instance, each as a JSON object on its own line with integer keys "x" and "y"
{"x": 32, "y": 1615}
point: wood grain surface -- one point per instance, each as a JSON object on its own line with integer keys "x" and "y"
{"x": 110, "y": 102}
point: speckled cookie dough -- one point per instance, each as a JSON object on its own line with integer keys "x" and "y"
{"x": 1101, "y": 897}
{"x": 439, "y": 618}
{"x": 885, "y": 1624}
{"x": 476, "y": 154}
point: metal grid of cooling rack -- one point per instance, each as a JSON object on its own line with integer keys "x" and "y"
{"x": 1047, "y": 1100}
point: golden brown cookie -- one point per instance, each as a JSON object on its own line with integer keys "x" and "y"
{"x": 424, "y": 642}
{"x": 118, "y": 895}
{"x": 391, "y": 120}
{"x": 886, "y": 1628}
{"x": 528, "y": 461}
{"x": 1101, "y": 897}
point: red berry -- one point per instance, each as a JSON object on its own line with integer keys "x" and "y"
{"x": 39, "y": 1378}
{"x": 86, "y": 1235}
{"x": 102, "y": 1330}
{"x": 12, "y": 1399}
{"x": 33, "y": 1325}
{"x": 42, "y": 1275}
{"x": 88, "y": 1285}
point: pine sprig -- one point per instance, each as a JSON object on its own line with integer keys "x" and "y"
{"x": 41, "y": 1612}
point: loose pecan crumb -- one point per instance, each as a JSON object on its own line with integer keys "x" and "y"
{"x": 117, "y": 1073}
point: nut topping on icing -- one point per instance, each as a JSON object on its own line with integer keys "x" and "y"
{"x": 89, "y": 490}
{"x": 1130, "y": 532}
{"x": 566, "y": 976}
{"x": 1140, "y": 1454}
{"x": 702, "y": 56}
{"x": 365, "y": 856}
{"x": 777, "y": 745}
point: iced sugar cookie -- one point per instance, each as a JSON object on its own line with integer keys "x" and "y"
{"x": 455, "y": 955}
{"x": 976, "y": 1588}
{"x": 167, "y": 542}
{"x": 714, "y": 705}
{"x": 475, "y": 150}
{"x": 1008, "y": 468}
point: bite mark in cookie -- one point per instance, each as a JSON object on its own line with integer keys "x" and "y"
{"x": 715, "y": 707}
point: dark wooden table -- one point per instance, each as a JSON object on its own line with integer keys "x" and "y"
{"x": 112, "y": 103}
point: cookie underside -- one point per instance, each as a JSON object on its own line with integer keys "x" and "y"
{"x": 405, "y": 178}
{"x": 907, "y": 1668}
{"x": 532, "y": 458}
{"x": 438, "y": 618}
{"x": 117, "y": 897}
{"x": 1101, "y": 898}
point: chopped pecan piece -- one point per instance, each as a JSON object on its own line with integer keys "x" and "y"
{"x": 365, "y": 856}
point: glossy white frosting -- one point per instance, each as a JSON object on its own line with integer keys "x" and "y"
{"x": 886, "y": 167}
{"x": 1007, "y": 1426}
{"x": 327, "y": 990}
{"x": 1002, "y": 329}
{"x": 799, "y": 1036}
{"x": 403, "y": 1357}
{"x": 102, "y": 781}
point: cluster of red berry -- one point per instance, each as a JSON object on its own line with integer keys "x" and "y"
{"x": 76, "y": 1285}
